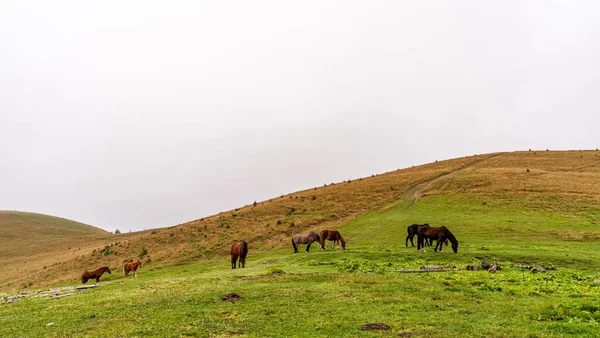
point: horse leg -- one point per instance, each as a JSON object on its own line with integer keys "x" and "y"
{"x": 295, "y": 246}
{"x": 437, "y": 244}
{"x": 308, "y": 246}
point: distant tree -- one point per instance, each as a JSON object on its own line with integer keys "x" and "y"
{"x": 117, "y": 231}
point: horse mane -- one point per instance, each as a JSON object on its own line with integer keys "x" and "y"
{"x": 451, "y": 237}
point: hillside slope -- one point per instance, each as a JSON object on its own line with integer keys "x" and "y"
{"x": 536, "y": 179}
{"x": 32, "y": 242}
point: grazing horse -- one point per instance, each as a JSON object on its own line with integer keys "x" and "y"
{"x": 441, "y": 234}
{"x": 412, "y": 232}
{"x": 132, "y": 267}
{"x": 239, "y": 249}
{"x": 87, "y": 275}
{"x": 332, "y": 235}
{"x": 307, "y": 238}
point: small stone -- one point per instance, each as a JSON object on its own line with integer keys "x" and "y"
{"x": 50, "y": 324}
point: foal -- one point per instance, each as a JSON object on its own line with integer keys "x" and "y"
{"x": 132, "y": 267}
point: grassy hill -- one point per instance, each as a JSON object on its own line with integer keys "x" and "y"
{"x": 266, "y": 225}
{"x": 537, "y": 207}
{"x": 32, "y": 243}
{"x": 535, "y": 180}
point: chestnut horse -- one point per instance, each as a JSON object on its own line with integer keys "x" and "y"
{"x": 87, "y": 275}
{"x": 132, "y": 267}
{"x": 239, "y": 249}
{"x": 307, "y": 238}
{"x": 332, "y": 235}
{"x": 441, "y": 234}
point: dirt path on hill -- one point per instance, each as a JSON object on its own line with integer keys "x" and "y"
{"x": 415, "y": 192}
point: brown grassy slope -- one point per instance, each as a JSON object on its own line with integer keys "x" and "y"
{"x": 565, "y": 175}
{"x": 314, "y": 209}
{"x": 32, "y": 242}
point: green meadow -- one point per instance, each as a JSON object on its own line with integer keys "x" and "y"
{"x": 332, "y": 293}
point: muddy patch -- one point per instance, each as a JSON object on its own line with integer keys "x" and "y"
{"x": 231, "y": 297}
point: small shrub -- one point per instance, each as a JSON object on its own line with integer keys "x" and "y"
{"x": 527, "y": 169}
{"x": 314, "y": 197}
{"x": 279, "y": 222}
{"x": 254, "y": 204}
{"x": 276, "y": 271}
{"x": 143, "y": 253}
{"x": 117, "y": 231}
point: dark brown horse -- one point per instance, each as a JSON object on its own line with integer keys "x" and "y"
{"x": 332, "y": 235}
{"x": 87, "y": 275}
{"x": 412, "y": 232}
{"x": 132, "y": 267}
{"x": 239, "y": 249}
{"x": 307, "y": 238}
{"x": 441, "y": 234}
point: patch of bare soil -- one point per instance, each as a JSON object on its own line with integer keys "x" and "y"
{"x": 374, "y": 326}
{"x": 231, "y": 297}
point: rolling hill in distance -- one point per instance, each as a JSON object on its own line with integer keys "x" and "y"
{"x": 39, "y": 250}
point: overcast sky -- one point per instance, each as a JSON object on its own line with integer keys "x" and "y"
{"x": 142, "y": 114}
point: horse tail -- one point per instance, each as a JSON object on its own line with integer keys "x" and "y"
{"x": 244, "y": 249}
{"x": 322, "y": 239}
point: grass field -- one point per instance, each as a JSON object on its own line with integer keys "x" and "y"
{"x": 332, "y": 293}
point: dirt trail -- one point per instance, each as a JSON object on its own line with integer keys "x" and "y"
{"x": 416, "y": 191}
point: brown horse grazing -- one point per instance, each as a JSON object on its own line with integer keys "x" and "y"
{"x": 132, "y": 267}
{"x": 412, "y": 232}
{"x": 332, "y": 235}
{"x": 239, "y": 249}
{"x": 87, "y": 275}
{"x": 441, "y": 234}
{"x": 307, "y": 238}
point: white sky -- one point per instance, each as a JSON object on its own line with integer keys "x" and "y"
{"x": 141, "y": 114}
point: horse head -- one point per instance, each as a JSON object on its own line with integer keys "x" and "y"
{"x": 108, "y": 270}
{"x": 455, "y": 246}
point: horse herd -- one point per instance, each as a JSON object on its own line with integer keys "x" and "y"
{"x": 127, "y": 267}
{"x": 425, "y": 233}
